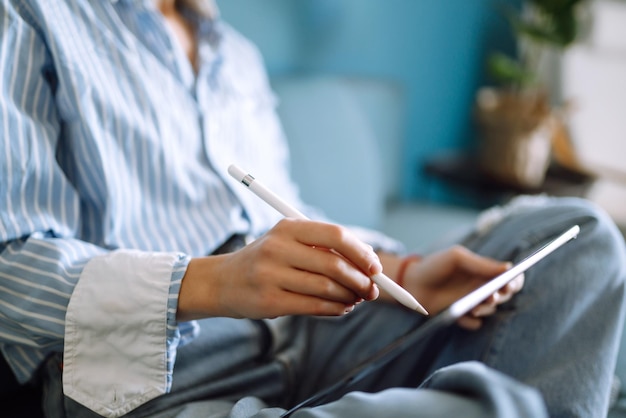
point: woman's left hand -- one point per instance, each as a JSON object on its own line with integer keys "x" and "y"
{"x": 440, "y": 279}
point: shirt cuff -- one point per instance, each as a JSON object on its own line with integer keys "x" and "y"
{"x": 121, "y": 333}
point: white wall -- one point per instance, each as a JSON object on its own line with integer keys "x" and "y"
{"x": 594, "y": 79}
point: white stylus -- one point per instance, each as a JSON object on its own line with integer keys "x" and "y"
{"x": 269, "y": 197}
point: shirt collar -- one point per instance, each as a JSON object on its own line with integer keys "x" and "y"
{"x": 206, "y": 9}
{"x": 203, "y": 14}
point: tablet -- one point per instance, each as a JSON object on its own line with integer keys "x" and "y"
{"x": 442, "y": 319}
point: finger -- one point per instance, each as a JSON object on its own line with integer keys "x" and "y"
{"x": 307, "y": 258}
{"x": 297, "y": 304}
{"x": 478, "y": 265}
{"x": 484, "y": 310}
{"x": 469, "y": 322}
{"x": 515, "y": 285}
{"x": 343, "y": 242}
{"x": 510, "y": 289}
{"x": 335, "y": 267}
{"x": 487, "y": 306}
{"x": 319, "y": 286}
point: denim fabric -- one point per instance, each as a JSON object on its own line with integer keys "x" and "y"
{"x": 551, "y": 348}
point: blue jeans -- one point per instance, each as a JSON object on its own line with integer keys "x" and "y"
{"x": 551, "y": 350}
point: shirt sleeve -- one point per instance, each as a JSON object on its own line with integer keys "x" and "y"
{"x": 58, "y": 292}
{"x": 122, "y": 314}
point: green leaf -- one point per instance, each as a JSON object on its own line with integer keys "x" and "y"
{"x": 555, "y": 7}
{"x": 537, "y": 33}
{"x": 565, "y": 28}
{"x": 509, "y": 71}
{"x": 558, "y": 30}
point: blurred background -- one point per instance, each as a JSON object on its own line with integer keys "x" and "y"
{"x": 389, "y": 106}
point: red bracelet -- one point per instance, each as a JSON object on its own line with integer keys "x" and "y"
{"x": 404, "y": 264}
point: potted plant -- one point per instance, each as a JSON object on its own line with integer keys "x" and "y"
{"x": 516, "y": 119}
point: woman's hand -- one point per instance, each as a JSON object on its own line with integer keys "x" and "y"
{"x": 288, "y": 271}
{"x": 442, "y": 278}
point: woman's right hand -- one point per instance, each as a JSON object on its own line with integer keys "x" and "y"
{"x": 288, "y": 271}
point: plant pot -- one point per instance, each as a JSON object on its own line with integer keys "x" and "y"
{"x": 516, "y": 130}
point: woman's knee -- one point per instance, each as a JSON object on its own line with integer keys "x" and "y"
{"x": 599, "y": 251}
{"x": 554, "y": 214}
{"x": 531, "y": 221}
{"x": 599, "y": 229}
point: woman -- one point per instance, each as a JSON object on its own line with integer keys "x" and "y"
{"x": 119, "y": 120}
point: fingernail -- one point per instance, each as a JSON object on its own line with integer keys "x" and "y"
{"x": 376, "y": 289}
{"x": 348, "y": 309}
{"x": 375, "y": 267}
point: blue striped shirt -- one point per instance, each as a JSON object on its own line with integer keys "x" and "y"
{"x": 110, "y": 142}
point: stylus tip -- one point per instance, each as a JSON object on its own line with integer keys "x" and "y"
{"x": 421, "y": 310}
